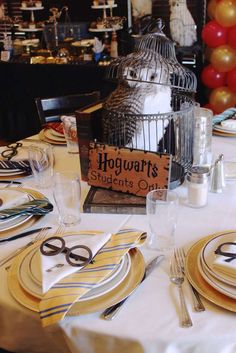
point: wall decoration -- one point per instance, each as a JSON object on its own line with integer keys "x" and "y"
{"x": 182, "y": 26}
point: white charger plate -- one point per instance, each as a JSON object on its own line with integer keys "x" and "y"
{"x": 224, "y": 129}
{"x": 14, "y": 221}
{"x": 208, "y": 256}
{"x": 222, "y": 287}
{"x": 35, "y": 290}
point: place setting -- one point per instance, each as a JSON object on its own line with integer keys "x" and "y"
{"x": 53, "y": 133}
{"x": 20, "y": 206}
{"x": 102, "y": 269}
{"x": 211, "y": 269}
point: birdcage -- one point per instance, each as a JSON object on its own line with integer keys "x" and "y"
{"x": 152, "y": 108}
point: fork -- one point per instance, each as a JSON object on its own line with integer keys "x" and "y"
{"x": 176, "y": 277}
{"x": 180, "y": 259}
{"x": 40, "y": 236}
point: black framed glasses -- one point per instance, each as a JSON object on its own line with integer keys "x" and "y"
{"x": 230, "y": 255}
{"x": 78, "y": 255}
{"x": 11, "y": 150}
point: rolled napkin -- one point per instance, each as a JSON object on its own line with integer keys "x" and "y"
{"x": 54, "y": 268}
{"x": 226, "y": 261}
{"x": 34, "y": 207}
{"x": 60, "y": 297}
{"x": 12, "y": 198}
{"x": 227, "y": 114}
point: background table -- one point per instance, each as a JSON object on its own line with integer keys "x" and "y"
{"x": 149, "y": 322}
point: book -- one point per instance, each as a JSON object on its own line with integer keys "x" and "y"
{"x": 100, "y": 200}
{"x": 89, "y": 128}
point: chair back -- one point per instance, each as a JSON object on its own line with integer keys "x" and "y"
{"x": 50, "y": 109}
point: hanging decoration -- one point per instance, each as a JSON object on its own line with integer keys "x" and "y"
{"x": 219, "y": 35}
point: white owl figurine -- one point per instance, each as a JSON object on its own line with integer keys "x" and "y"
{"x": 182, "y": 26}
{"x": 156, "y": 99}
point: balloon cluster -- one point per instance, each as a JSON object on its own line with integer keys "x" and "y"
{"x": 219, "y": 34}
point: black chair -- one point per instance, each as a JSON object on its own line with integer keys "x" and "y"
{"x": 50, "y": 109}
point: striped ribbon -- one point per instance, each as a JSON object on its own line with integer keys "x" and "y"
{"x": 18, "y": 165}
{"x": 227, "y": 114}
{"x": 34, "y": 207}
{"x": 60, "y": 298}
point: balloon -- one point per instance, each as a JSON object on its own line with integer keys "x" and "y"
{"x": 221, "y": 98}
{"x": 211, "y": 8}
{"x": 225, "y": 13}
{"x": 214, "y": 34}
{"x": 231, "y": 38}
{"x": 212, "y": 78}
{"x": 223, "y": 58}
{"x": 231, "y": 80}
{"x": 208, "y": 52}
{"x": 209, "y": 106}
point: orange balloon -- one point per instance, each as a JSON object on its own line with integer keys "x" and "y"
{"x": 225, "y": 13}
{"x": 211, "y": 8}
{"x": 221, "y": 99}
{"x": 223, "y": 58}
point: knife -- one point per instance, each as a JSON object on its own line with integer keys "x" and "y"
{"x": 113, "y": 310}
{"x": 10, "y": 182}
{"x": 24, "y": 234}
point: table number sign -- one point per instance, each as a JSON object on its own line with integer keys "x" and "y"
{"x": 128, "y": 170}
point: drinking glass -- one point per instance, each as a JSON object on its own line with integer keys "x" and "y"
{"x": 67, "y": 194}
{"x": 41, "y": 161}
{"x": 162, "y": 211}
{"x": 202, "y": 138}
{"x": 70, "y": 132}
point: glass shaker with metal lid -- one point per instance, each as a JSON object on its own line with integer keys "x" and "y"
{"x": 198, "y": 179}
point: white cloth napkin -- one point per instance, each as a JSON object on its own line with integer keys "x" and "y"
{"x": 229, "y": 123}
{"x": 227, "y": 268}
{"x": 94, "y": 241}
{"x": 12, "y": 198}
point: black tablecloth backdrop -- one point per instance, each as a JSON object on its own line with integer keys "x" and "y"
{"x": 22, "y": 83}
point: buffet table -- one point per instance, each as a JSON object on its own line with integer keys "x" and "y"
{"x": 149, "y": 321}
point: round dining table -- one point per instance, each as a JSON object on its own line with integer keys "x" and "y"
{"x": 149, "y": 321}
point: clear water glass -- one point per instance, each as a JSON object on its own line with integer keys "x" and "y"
{"x": 162, "y": 213}
{"x": 67, "y": 196}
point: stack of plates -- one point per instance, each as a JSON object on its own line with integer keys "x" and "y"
{"x": 51, "y": 136}
{"x": 214, "y": 285}
{"x": 25, "y": 285}
{"x": 224, "y": 131}
{"x": 16, "y": 224}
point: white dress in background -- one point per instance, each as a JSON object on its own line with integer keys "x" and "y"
{"x": 182, "y": 26}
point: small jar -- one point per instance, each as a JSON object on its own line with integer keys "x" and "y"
{"x": 197, "y": 179}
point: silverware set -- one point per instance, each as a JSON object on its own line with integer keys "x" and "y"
{"x": 177, "y": 276}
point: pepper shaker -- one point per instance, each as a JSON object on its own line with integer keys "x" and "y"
{"x": 197, "y": 179}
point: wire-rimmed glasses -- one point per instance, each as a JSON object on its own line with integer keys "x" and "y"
{"x": 11, "y": 151}
{"x": 78, "y": 255}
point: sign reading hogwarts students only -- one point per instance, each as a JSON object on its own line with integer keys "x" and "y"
{"x": 127, "y": 170}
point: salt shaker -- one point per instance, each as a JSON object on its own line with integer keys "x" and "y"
{"x": 197, "y": 179}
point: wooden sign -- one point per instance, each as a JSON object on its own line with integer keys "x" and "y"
{"x": 131, "y": 171}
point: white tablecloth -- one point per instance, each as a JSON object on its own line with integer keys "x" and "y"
{"x": 149, "y": 322}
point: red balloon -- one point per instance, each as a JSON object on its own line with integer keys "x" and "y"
{"x": 231, "y": 37}
{"x": 231, "y": 80}
{"x": 213, "y": 78}
{"x": 209, "y": 106}
{"x": 214, "y": 34}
